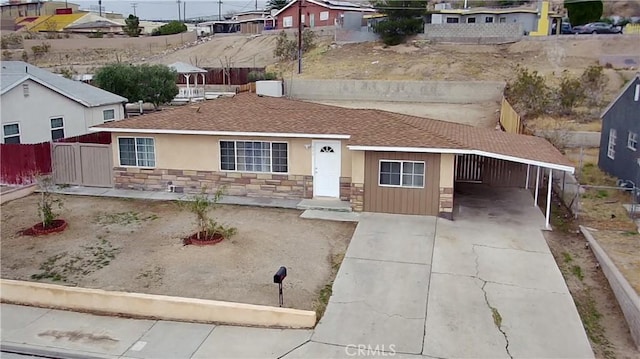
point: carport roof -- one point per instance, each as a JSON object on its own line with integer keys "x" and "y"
{"x": 252, "y": 115}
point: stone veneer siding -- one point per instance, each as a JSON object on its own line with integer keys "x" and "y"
{"x": 445, "y": 207}
{"x": 357, "y": 197}
{"x": 236, "y": 183}
{"x": 345, "y": 188}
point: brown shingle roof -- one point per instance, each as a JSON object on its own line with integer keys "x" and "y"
{"x": 251, "y": 113}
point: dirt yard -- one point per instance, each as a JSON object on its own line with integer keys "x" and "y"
{"x": 136, "y": 246}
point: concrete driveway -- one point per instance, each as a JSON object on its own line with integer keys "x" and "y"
{"x": 482, "y": 286}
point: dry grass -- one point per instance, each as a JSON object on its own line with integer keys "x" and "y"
{"x": 602, "y": 209}
{"x": 589, "y": 156}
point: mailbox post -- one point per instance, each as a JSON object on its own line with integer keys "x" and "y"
{"x": 280, "y": 275}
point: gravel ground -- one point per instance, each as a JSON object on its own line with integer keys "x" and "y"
{"x": 136, "y": 246}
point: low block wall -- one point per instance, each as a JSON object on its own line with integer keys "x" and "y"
{"x": 143, "y": 42}
{"x": 152, "y": 306}
{"x": 16, "y": 193}
{"x": 625, "y": 295}
{"x": 396, "y": 91}
{"x": 483, "y": 33}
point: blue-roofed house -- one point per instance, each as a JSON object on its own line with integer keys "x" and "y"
{"x": 40, "y": 106}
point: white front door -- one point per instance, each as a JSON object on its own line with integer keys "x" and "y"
{"x": 326, "y": 168}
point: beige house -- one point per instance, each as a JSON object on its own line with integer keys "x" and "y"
{"x": 275, "y": 147}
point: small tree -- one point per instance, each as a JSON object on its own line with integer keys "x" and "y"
{"x": 287, "y": 49}
{"x": 157, "y": 84}
{"x": 48, "y": 203}
{"x": 276, "y": 4}
{"x": 132, "y": 26}
{"x": 121, "y": 79}
{"x": 404, "y": 18}
{"x": 200, "y": 205}
{"x": 583, "y": 11}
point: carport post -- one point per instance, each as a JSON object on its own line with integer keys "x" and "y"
{"x": 549, "y": 198}
{"x": 526, "y": 183}
{"x": 535, "y": 199}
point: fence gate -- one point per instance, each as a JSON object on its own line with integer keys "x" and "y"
{"x": 469, "y": 168}
{"x": 83, "y": 164}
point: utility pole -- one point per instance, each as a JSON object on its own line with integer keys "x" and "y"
{"x": 100, "y": 7}
{"x": 178, "y": 1}
{"x": 256, "y": 6}
{"x": 184, "y": 11}
{"x": 299, "y": 36}
{"x": 134, "y": 5}
{"x": 219, "y": 10}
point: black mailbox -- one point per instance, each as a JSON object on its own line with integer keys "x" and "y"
{"x": 280, "y": 275}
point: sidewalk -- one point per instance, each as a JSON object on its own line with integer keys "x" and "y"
{"x": 62, "y": 334}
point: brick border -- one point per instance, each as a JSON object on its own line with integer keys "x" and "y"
{"x": 445, "y": 203}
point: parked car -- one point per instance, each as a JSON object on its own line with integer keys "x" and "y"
{"x": 597, "y": 28}
{"x": 565, "y": 29}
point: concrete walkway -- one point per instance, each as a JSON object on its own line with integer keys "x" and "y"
{"x": 483, "y": 286}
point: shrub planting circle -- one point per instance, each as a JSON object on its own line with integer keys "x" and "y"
{"x": 205, "y": 240}
{"x": 58, "y": 225}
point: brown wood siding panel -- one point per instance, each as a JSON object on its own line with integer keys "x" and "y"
{"x": 65, "y": 164}
{"x": 96, "y": 165}
{"x": 423, "y": 201}
{"x": 501, "y": 173}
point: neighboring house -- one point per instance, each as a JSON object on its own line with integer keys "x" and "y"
{"x": 249, "y": 22}
{"x": 535, "y": 21}
{"x": 70, "y": 22}
{"x": 316, "y": 13}
{"x": 620, "y": 133}
{"x": 39, "y": 106}
{"x": 275, "y": 147}
{"x": 103, "y": 26}
{"x": 20, "y": 9}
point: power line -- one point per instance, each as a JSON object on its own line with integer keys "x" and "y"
{"x": 134, "y": 6}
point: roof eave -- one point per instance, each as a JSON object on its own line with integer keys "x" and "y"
{"x": 221, "y": 133}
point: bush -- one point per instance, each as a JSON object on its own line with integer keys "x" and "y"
{"x": 529, "y": 93}
{"x": 174, "y": 27}
{"x": 395, "y": 31}
{"x": 594, "y": 83}
{"x": 39, "y": 50}
{"x": 569, "y": 94}
{"x": 287, "y": 49}
{"x": 96, "y": 35}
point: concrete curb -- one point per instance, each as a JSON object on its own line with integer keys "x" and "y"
{"x": 626, "y": 296}
{"x": 17, "y": 193}
{"x": 152, "y": 306}
{"x": 44, "y": 352}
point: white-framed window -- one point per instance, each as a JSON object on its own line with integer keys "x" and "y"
{"x": 254, "y": 156}
{"x": 25, "y": 90}
{"x": 393, "y": 173}
{"x": 108, "y": 115}
{"x": 11, "y": 133}
{"x": 488, "y": 19}
{"x": 324, "y": 15}
{"x": 287, "y": 21}
{"x": 632, "y": 141}
{"x": 636, "y": 96}
{"x": 137, "y": 151}
{"x": 452, "y": 20}
{"x": 611, "y": 148}
{"x": 57, "y": 128}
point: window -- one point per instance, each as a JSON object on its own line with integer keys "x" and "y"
{"x": 287, "y": 21}
{"x": 401, "y": 174}
{"x": 502, "y": 20}
{"x": 488, "y": 19}
{"x": 254, "y": 156}
{"x": 452, "y": 20}
{"x": 25, "y": 90}
{"x": 57, "y": 128}
{"x": 611, "y": 149}
{"x": 636, "y": 96}
{"x": 632, "y": 141}
{"x": 137, "y": 151}
{"x": 109, "y": 115}
{"x": 11, "y": 133}
{"x": 324, "y": 15}
{"x": 471, "y": 20}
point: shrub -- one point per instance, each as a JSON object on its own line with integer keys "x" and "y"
{"x": 395, "y": 31}
{"x": 529, "y": 93}
{"x": 174, "y": 27}
{"x": 39, "y": 50}
{"x": 96, "y": 35}
{"x": 287, "y": 49}
{"x": 594, "y": 83}
{"x": 569, "y": 94}
{"x": 200, "y": 205}
{"x": 47, "y": 203}
{"x": 254, "y": 76}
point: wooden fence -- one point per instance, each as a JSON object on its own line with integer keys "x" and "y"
{"x": 250, "y": 87}
{"x": 21, "y": 163}
{"x": 103, "y": 138}
{"x": 216, "y": 76}
{"x": 509, "y": 118}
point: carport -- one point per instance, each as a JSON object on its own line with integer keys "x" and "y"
{"x": 501, "y": 170}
